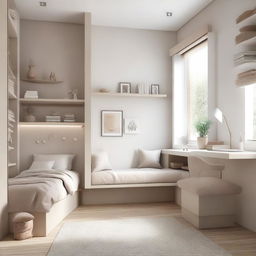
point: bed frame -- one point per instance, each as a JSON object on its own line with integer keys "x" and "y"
{"x": 45, "y": 222}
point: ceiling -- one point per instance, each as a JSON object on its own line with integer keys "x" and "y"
{"x": 141, "y": 14}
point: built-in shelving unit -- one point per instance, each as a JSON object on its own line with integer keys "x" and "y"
{"x": 13, "y": 89}
{"x": 245, "y": 59}
{"x": 41, "y": 81}
{"x": 51, "y": 124}
{"x": 51, "y": 101}
{"x": 110, "y": 94}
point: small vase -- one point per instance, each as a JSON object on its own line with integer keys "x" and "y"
{"x": 202, "y": 142}
{"x": 31, "y": 72}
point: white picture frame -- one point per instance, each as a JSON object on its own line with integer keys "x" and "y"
{"x": 131, "y": 126}
{"x": 111, "y": 123}
{"x": 125, "y": 87}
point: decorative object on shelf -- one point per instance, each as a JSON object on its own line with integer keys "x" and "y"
{"x": 53, "y": 118}
{"x": 69, "y": 118}
{"x": 31, "y": 95}
{"x": 111, "y": 123}
{"x": 155, "y": 89}
{"x": 52, "y": 77}
{"x": 73, "y": 94}
{"x": 29, "y": 117}
{"x": 202, "y": 127}
{"x": 131, "y": 126}
{"x": 125, "y": 87}
{"x": 103, "y": 90}
{"x": 140, "y": 89}
{"x": 31, "y": 75}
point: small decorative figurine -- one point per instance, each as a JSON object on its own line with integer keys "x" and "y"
{"x": 52, "y": 76}
{"x": 31, "y": 72}
{"x": 74, "y": 93}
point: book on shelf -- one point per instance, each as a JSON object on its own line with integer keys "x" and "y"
{"x": 31, "y": 95}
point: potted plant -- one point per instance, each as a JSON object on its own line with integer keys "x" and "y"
{"x": 202, "y": 127}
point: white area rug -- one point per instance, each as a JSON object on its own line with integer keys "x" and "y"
{"x": 161, "y": 236}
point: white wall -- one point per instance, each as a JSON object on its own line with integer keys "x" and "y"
{"x": 56, "y": 47}
{"x": 221, "y": 14}
{"x": 136, "y": 56}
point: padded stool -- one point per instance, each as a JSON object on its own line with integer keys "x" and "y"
{"x": 208, "y": 202}
{"x": 23, "y": 225}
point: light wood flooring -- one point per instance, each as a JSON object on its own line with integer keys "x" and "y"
{"x": 237, "y": 240}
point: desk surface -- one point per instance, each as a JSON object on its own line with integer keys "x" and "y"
{"x": 212, "y": 153}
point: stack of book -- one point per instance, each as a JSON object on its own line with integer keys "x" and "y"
{"x": 245, "y": 57}
{"x": 53, "y": 118}
{"x": 31, "y": 95}
{"x": 69, "y": 118}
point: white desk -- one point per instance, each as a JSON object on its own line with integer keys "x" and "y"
{"x": 211, "y": 153}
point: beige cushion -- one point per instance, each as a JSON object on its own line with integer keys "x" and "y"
{"x": 22, "y": 217}
{"x": 100, "y": 162}
{"x": 208, "y": 186}
{"x": 149, "y": 158}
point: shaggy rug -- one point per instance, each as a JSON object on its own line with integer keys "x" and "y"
{"x": 159, "y": 236}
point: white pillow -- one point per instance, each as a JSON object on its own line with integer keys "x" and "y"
{"x": 100, "y": 162}
{"x": 62, "y": 161}
{"x": 149, "y": 158}
{"x": 42, "y": 165}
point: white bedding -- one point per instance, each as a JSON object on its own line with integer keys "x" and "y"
{"x": 138, "y": 176}
{"x": 38, "y": 190}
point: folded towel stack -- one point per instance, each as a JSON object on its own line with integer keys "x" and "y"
{"x": 245, "y": 57}
{"x": 31, "y": 95}
{"x": 53, "y": 118}
{"x": 246, "y": 78}
{"x": 69, "y": 118}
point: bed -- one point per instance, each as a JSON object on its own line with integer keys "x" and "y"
{"x": 138, "y": 176}
{"x": 49, "y": 193}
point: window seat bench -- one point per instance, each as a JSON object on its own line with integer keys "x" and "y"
{"x": 135, "y": 176}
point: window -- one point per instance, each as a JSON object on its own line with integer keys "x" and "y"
{"x": 196, "y": 81}
{"x": 250, "y": 112}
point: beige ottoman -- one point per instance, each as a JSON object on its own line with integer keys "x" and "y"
{"x": 23, "y": 225}
{"x": 208, "y": 202}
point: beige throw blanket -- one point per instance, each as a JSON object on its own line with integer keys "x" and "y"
{"x": 38, "y": 190}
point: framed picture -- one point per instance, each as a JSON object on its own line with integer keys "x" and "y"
{"x": 155, "y": 89}
{"x": 131, "y": 126}
{"x": 125, "y": 87}
{"x": 111, "y": 123}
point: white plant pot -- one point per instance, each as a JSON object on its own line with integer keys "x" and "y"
{"x": 202, "y": 142}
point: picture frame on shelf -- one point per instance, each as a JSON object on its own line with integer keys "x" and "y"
{"x": 155, "y": 89}
{"x": 112, "y": 123}
{"x": 131, "y": 126}
{"x": 125, "y": 87}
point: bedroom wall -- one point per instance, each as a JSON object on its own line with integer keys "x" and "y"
{"x": 221, "y": 15}
{"x": 136, "y": 56}
{"x": 56, "y": 47}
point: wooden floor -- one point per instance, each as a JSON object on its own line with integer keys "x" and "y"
{"x": 238, "y": 241}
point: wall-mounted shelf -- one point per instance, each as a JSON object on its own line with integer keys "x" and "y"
{"x": 251, "y": 20}
{"x": 12, "y": 164}
{"x": 110, "y": 94}
{"x": 65, "y": 124}
{"x": 41, "y": 81}
{"x": 51, "y": 101}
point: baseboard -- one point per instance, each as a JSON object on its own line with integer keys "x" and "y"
{"x": 127, "y": 195}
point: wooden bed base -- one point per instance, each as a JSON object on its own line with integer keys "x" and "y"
{"x": 45, "y": 222}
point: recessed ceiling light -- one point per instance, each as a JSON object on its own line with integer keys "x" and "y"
{"x": 43, "y": 4}
{"x": 168, "y": 14}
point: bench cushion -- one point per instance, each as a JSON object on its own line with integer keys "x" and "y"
{"x": 208, "y": 186}
{"x": 138, "y": 176}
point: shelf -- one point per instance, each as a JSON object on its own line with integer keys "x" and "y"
{"x": 248, "y": 43}
{"x": 12, "y": 164}
{"x": 251, "y": 20}
{"x": 51, "y": 101}
{"x": 12, "y": 96}
{"x": 108, "y": 94}
{"x": 51, "y": 124}
{"x": 39, "y": 81}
